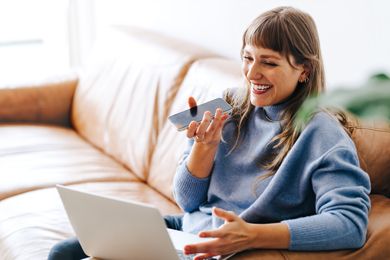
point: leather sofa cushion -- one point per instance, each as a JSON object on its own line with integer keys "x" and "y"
{"x": 372, "y": 141}
{"x": 122, "y": 100}
{"x": 37, "y": 156}
{"x": 47, "y": 101}
{"x": 31, "y": 223}
{"x": 206, "y": 80}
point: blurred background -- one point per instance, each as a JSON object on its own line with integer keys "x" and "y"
{"x": 45, "y": 37}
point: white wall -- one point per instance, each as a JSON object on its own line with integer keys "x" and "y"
{"x": 355, "y": 34}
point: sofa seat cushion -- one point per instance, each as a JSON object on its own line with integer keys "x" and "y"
{"x": 37, "y": 156}
{"x": 31, "y": 223}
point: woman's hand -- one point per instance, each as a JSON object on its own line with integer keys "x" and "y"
{"x": 207, "y": 136}
{"x": 206, "y": 132}
{"x": 236, "y": 235}
{"x": 233, "y": 236}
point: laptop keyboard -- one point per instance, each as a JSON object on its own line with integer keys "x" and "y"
{"x": 182, "y": 256}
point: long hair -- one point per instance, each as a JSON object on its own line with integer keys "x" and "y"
{"x": 292, "y": 33}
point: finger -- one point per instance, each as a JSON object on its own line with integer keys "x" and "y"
{"x": 204, "y": 125}
{"x": 191, "y": 102}
{"x": 222, "y": 121}
{"x": 216, "y": 233}
{"x": 214, "y": 124}
{"x": 191, "y": 130}
{"x": 225, "y": 116}
{"x": 229, "y": 216}
{"x": 204, "y": 256}
{"x": 217, "y": 124}
{"x": 205, "y": 247}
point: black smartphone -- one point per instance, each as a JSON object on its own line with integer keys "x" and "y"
{"x": 183, "y": 119}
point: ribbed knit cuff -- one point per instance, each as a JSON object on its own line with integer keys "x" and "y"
{"x": 307, "y": 234}
{"x": 322, "y": 232}
{"x": 191, "y": 190}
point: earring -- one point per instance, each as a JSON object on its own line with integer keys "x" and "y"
{"x": 306, "y": 80}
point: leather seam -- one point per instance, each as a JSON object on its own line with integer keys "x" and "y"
{"x": 284, "y": 255}
{"x": 370, "y": 128}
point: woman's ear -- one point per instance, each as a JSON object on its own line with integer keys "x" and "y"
{"x": 305, "y": 72}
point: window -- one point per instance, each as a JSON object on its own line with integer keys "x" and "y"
{"x": 33, "y": 39}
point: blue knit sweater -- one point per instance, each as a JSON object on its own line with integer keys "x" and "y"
{"x": 319, "y": 190}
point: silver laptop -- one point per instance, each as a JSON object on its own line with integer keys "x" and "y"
{"x": 117, "y": 229}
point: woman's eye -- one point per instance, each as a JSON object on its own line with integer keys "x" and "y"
{"x": 270, "y": 64}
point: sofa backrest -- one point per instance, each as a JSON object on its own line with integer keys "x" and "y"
{"x": 372, "y": 141}
{"x": 122, "y": 100}
{"x": 206, "y": 80}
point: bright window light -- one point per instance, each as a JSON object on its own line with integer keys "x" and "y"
{"x": 33, "y": 39}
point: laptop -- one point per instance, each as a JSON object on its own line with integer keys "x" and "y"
{"x": 116, "y": 229}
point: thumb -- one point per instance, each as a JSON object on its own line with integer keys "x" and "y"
{"x": 229, "y": 216}
{"x": 191, "y": 102}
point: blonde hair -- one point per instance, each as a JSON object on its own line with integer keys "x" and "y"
{"x": 292, "y": 33}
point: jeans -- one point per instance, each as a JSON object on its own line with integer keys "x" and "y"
{"x": 70, "y": 249}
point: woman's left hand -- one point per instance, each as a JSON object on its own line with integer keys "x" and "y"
{"x": 233, "y": 236}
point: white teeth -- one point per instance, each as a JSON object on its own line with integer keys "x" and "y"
{"x": 261, "y": 87}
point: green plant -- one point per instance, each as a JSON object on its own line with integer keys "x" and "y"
{"x": 370, "y": 100}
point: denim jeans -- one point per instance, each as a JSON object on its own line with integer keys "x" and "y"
{"x": 70, "y": 249}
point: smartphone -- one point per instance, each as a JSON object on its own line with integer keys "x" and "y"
{"x": 183, "y": 119}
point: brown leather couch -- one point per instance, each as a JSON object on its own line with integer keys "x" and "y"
{"x": 105, "y": 130}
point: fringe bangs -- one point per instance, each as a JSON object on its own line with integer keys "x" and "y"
{"x": 270, "y": 33}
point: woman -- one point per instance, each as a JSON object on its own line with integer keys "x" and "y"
{"x": 283, "y": 188}
{"x": 308, "y": 192}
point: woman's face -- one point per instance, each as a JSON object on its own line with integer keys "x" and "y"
{"x": 271, "y": 77}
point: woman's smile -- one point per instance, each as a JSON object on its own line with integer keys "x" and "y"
{"x": 260, "y": 89}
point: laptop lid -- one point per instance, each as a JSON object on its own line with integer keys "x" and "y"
{"x": 116, "y": 229}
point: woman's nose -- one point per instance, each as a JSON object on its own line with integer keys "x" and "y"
{"x": 254, "y": 72}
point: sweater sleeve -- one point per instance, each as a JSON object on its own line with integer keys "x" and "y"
{"x": 188, "y": 190}
{"x": 342, "y": 205}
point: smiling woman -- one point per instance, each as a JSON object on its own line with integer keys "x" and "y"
{"x": 246, "y": 179}
{"x": 281, "y": 60}
{"x": 302, "y": 188}
{"x": 272, "y": 78}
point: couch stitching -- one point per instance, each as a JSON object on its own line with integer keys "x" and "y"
{"x": 370, "y": 128}
{"x": 284, "y": 255}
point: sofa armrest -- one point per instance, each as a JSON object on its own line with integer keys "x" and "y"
{"x": 47, "y": 101}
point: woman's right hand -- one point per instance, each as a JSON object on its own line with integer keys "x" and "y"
{"x": 207, "y": 132}
{"x": 207, "y": 136}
